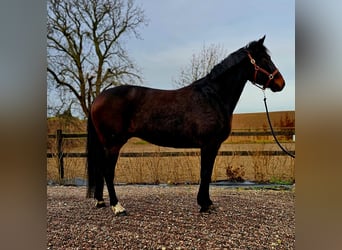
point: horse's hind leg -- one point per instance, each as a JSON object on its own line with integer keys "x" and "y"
{"x": 99, "y": 179}
{"x": 112, "y": 157}
{"x": 98, "y": 195}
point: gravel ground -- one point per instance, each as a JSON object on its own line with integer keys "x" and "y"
{"x": 167, "y": 217}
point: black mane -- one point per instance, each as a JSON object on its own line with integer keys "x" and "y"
{"x": 234, "y": 59}
{"x": 231, "y": 60}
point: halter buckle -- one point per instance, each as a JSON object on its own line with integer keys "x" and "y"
{"x": 258, "y": 68}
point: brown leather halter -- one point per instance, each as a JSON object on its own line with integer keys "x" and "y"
{"x": 258, "y": 68}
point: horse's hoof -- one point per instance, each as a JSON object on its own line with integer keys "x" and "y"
{"x": 100, "y": 204}
{"x": 124, "y": 213}
{"x": 207, "y": 209}
{"x": 119, "y": 210}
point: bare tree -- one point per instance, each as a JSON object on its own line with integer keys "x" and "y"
{"x": 200, "y": 64}
{"x": 85, "y": 41}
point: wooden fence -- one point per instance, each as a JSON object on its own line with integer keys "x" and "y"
{"x": 60, "y": 136}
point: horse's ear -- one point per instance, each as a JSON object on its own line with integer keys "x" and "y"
{"x": 261, "y": 41}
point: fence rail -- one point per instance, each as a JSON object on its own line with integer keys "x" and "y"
{"x": 59, "y": 136}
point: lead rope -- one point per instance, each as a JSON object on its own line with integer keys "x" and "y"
{"x": 274, "y": 136}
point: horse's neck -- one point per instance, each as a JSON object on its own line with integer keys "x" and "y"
{"x": 230, "y": 88}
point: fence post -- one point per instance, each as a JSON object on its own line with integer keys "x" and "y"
{"x": 59, "y": 141}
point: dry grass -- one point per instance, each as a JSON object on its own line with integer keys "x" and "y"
{"x": 186, "y": 169}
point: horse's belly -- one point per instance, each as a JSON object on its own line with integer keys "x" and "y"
{"x": 172, "y": 128}
{"x": 170, "y": 140}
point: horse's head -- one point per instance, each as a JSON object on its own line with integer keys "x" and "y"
{"x": 265, "y": 73}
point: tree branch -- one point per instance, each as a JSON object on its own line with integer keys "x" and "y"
{"x": 85, "y": 39}
{"x": 63, "y": 83}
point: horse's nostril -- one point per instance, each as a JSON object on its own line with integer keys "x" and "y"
{"x": 277, "y": 87}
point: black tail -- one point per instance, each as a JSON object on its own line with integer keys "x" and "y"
{"x": 95, "y": 158}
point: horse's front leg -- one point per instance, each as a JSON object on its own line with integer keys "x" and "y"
{"x": 112, "y": 158}
{"x": 208, "y": 156}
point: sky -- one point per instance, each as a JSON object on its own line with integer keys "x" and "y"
{"x": 178, "y": 29}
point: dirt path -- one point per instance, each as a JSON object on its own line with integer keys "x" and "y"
{"x": 166, "y": 217}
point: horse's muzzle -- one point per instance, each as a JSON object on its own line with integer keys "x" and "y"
{"x": 278, "y": 83}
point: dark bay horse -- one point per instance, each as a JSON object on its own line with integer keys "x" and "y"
{"x": 196, "y": 116}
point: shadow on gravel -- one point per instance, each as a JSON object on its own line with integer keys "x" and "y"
{"x": 79, "y": 182}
